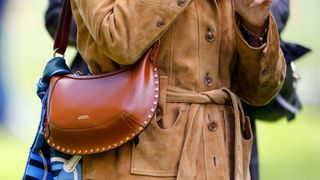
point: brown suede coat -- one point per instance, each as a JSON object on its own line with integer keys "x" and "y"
{"x": 199, "y": 131}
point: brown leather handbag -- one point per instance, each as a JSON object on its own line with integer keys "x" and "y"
{"x": 96, "y": 113}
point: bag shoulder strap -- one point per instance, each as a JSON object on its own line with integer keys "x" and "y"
{"x": 61, "y": 40}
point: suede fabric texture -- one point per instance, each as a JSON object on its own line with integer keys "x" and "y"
{"x": 205, "y": 66}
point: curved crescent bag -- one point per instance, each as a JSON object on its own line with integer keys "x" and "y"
{"x": 96, "y": 113}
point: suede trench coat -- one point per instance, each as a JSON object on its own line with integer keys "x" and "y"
{"x": 205, "y": 64}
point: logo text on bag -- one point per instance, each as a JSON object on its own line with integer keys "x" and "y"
{"x": 83, "y": 117}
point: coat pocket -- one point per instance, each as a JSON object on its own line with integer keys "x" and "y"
{"x": 159, "y": 149}
{"x": 244, "y": 136}
{"x": 247, "y": 138}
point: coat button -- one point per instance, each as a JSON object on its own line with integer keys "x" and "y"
{"x": 181, "y": 2}
{"x": 212, "y": 126}
{"x": 208, "y": 80}
{"x": 209, "y": 35}
{"x": 160, "y": 23}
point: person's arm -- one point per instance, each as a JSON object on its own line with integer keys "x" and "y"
{"x": 125, "y": 29}
{"x": 261, "y": 69}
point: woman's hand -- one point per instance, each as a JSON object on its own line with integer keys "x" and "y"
{"x": 254, "y": 14}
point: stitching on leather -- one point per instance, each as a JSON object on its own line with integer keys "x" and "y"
{"x": 129, "y": 118}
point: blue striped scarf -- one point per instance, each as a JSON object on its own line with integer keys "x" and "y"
{"x": 43, "y": 161}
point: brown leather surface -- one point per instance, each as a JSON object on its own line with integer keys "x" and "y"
{"x": 96, "y": 113}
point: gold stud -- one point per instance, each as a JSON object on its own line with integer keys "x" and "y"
{"x": 85, "y": 151}
{"x": 156, "y": 89}
{"x": 74, "y": 151}
{"x": 103, "y": 149}
{"x": 149, "y": 116}
{"x": 68, "y": 150}
{"x": 127, "y": 138}
{"x": 58, "y": 147}
{"x": 155, "y": 69}
{"x": 153, "y": 109}
{"x": 115, "y": 145}
{"x": 155, "y": 103}
{"x": 133, "y": 134}
{"x": 156, "y": 82}
{"x": 109, "y": 147}
{"x": 91, "y": 150}
{"x": 156, "y": 96}
{"x": 140, "y": 128}
{"x": 121, "y": 142}
{"x": 145, "y": 122}
{"x": 53, "y": 144}
{"x": 49, "y": 141}
{"x": 156, "y": 75}
{"x": 63, "y": 149}
{"x": 79, "y": 152}
{"x": 97, "y": 150}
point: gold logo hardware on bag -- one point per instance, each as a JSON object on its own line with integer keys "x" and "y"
{"x": 96, "y": 113}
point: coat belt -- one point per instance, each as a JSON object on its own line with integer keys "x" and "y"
{"x": 223, "y": 96}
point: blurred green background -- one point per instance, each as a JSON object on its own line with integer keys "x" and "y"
{"x": 287, "y": 150}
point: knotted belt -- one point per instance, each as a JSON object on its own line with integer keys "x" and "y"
{"x": 190, "y": 149}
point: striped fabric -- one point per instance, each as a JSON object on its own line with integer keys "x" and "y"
{"x": 46, "y": 163}
{"x": 38, "y": 167}
{"x": 41, "y": 167}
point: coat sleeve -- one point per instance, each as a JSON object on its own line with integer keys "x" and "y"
{"x": 124, "y": 29}
{"x": 261, "y": 71}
